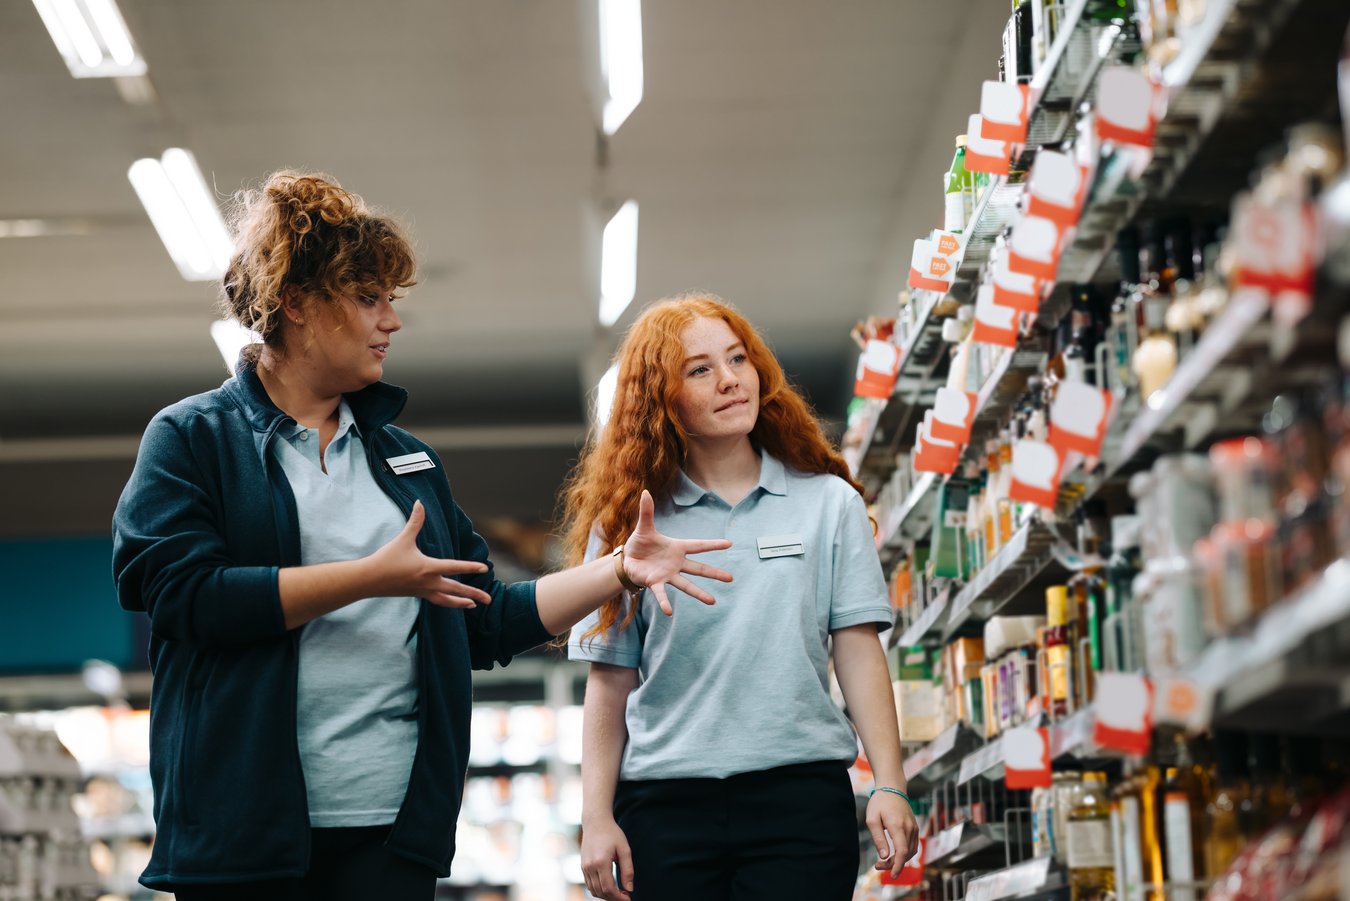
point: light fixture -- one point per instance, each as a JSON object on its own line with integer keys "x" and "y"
{"x": 604, "y": 395}
{"x": 232, "y": 337}
{"x": 184, "y": 213}
{"x": 618, "y": 263}
{"x": 620, "y": 60}
{"x": 92, "y": 37}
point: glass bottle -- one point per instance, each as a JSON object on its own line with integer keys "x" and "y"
{"x": 1090, "y": 855}
{"x": 1186, "y": 794}
{"x": 1058, "y": 651}
{"x": 958, "y": 187}
{"x": 1230, "y": 811}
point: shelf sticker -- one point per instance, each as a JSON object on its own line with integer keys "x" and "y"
{"x": 994, "y": 324}
{"x": 953, "y": 415}
{"x": 1274, "y": 245}
{"x": 1035, "y": 474}
{"x": 929, "y": 269}
{"x": 950, "y": 245}
{"x": 1124, "y": 713}
{"x": 1033, "y": 248}
{"x": 878, "y": 367}
{"x": 1181, "y": 702}
{"x": 983, "y": 154}
{"x": 912, "y": 872}
{"x": 933, "y": 454}
{"x": 1056, "y": 188}
{"x": 1026, "y": 757}
{"x": 1078, "y": 418}
{"x": 1129, "y": 105}
{"x": 1004, "y": 111}
{"x": 1015, "y": 289}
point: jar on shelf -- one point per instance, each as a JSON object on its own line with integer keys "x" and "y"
{"x": 1242, "y": 471}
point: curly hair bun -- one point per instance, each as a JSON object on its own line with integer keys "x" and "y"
{"x": 307, "y": 197}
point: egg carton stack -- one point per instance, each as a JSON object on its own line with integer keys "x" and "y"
{"x": 43, "y": 855}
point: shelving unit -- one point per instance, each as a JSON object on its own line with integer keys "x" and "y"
{"x": 1231, "y": 91}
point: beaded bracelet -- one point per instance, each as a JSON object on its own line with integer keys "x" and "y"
{"x": 893, "y": 791}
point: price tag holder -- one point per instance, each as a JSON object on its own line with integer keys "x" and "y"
{"x": 1034, "y": 248}
{"x": 1017, "y": 290}
{"x": 878, "y": 368}
{"x": 1078, "y": 418}
{"x": 985, "y": 154}
{"x": 1035, "y": 474}
{"x": 1004, "y": 111}
{"x": 1056, "y": 188}
{"x": 1129, "y": 105}
{"x": 930, "y": 270}
{"x": 953, "y": 415}
{"x": 994, "y": 324}
{"x": 1026, "y": 757}
{"x": 1124, "y": 713}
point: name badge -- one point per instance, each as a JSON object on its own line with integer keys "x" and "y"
{"x": 780, "y": 546}
{"x": 407, "y": 463}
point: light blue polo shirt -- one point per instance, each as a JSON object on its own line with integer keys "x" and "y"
{"x": 743, "y": 686}
{"x": 356, "y": 712}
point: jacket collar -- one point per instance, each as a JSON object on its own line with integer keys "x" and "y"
{"x": 373, "y": 407}
{"x": 772, "y": 480}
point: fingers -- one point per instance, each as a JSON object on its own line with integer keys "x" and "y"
{"x": 646, "y": 512}
{"x": 701, "y": 545}
{"x": 457, "y": 567}
{"x": 415, "y": 520}
{"x": 456, "y": 594}
{"x": 883, "y": 845}
{"x": 658, "y": 591}
{"x": 692, "y": 590}
{"x": 625, "y": 868}
{"x": 694, "y": 568}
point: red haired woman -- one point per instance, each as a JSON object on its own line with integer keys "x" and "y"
{"x": 715, "y": 763}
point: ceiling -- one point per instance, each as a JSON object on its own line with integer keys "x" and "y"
{"x": 785, "y": 155}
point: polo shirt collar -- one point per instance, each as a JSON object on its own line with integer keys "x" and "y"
{"x": 772, "y": 480}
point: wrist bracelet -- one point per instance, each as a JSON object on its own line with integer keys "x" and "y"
{"x": 624, "y": 580}
{"x": 892, "y": 791}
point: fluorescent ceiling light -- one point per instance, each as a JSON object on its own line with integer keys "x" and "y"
{"x": 604, "y": 395}
{"x": 231, "y": 337}
{"x": 182, "y": 209}
{"x": 620, "y": 59}
{"x": 91, "y": 37}
{"x": 618, "y": 263}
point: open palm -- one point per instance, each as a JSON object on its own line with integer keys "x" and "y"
{"x": 655, "y": 560}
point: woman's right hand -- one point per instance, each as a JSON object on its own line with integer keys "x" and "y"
{"x": 401, "y": 569}
{"x": 603, "y": 845}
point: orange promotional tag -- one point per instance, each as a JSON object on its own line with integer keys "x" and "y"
{"x": 994, "y": 324}
{"x": 878, "y": 366}
{"x": 1178, "y": 701}
{"x": 1026, "y": 757}
{"x": 934, "y": 455}
{"x": 1014, "y": 289}
{"x": 986, "y": 154}
{"x": 1078, "y": 418}
{"x": 953, "y": 415}
{"x": 1056, "y": 188}
{"x": 1276, "y": 245}
{"x": 1004, "y": 111}
{"x": 1033, "y": 248}
{"x": 930, "y": 270}
{"x": 1129, "y": 105}
{"x": 1036, "y": 469}
{"x": 1124, "y": 713}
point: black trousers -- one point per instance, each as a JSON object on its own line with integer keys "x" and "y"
{"x": 780, "y": 835}
{"x": 345, "y": 865}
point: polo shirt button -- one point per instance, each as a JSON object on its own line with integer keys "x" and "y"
{"x": 304, "y": 434}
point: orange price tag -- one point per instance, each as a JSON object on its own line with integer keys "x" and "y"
{"x": 1026, "y": 757}
{"x": 1078, "y": 418}
{"x": 1036, "y": 473}
{"x": 878, "y": 367}
{"x": 1124, "y": 713}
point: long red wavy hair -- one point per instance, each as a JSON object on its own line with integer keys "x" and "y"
{"x": 644, "y": 444}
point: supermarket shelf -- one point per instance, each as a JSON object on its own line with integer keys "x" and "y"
{"x": 987, "y": 762}
{"x": 928, "y": 626}
{"x": 967, "y": 846}
{"x": 1295, "y": 665}
{"x": 993, "y": 211}
{"x": 1036, "y": 878}
{"x": 940, "y": 757}
{"x": 1007, "y": 585}
{"x": 910, "y": 520}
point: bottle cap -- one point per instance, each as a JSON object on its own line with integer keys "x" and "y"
{"x": 960, "y": 140}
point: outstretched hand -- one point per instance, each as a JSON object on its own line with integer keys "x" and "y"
{"x": 654, "y": 560}
{"x": 894, "y": 830}
{"x": 403, "y": 570}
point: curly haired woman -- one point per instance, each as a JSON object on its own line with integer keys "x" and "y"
{"x": 317, "y": 598}
{"x": 714, "y": 763}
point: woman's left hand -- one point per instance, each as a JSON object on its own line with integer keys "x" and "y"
{"x": 888, "y": 813}
{"x": 652, "y": 559}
